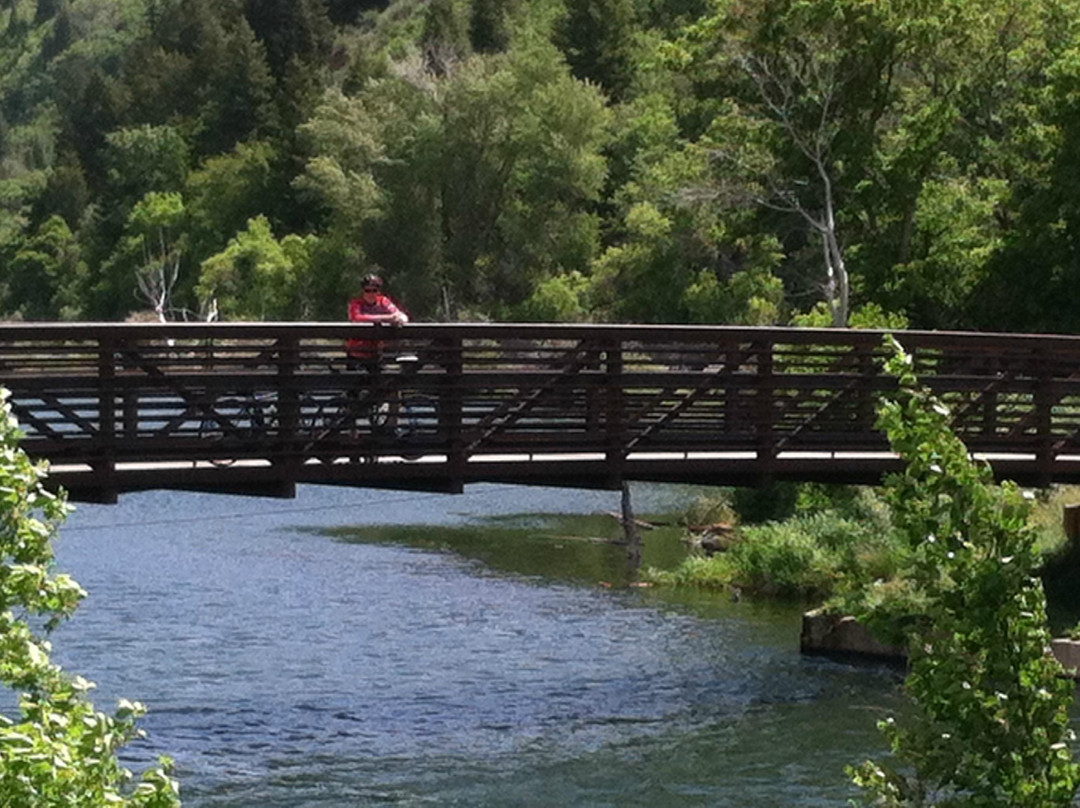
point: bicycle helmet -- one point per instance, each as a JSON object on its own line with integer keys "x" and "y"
{"x": 372, "y": 282}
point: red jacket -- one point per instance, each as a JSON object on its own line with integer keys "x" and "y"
{"x": 360, "y": 311}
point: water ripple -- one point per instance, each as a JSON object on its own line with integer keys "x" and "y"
{"x": 283, "y": 668}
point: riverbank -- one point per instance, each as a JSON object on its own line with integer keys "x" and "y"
{"x": 836, "y": 546}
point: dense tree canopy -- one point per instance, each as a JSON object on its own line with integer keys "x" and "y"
{"x": 715, "y": 161}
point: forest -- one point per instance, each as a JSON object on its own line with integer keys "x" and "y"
{"x": 895, "y": 163}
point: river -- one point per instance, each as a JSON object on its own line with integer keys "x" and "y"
{"x": 292, "y": 654}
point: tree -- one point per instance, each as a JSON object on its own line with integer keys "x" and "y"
{"x": 974, "y": 141}
{"x": 90, "y": 104}
{"x": 790, "y": 79}
{"x": 445, "y": 38}
{"x": 1029, "y": 282}
{"x": 597, "y": 37}
{"x": 61, "y": 37}
{"x": 990, "y": 725}
{"x": 256, "y": 276}
{"x": 201, "y": 69}
{"x": 59, "y": 750}
{"x": 143, "y": 159}
{"x": 896, "y": 137}
{"x": 154, "y": 222}
{"x": 347, "y": 12}
{"x": 491, "y": 170}
{"x": 346, "y": 139}
{"x": 675, "y": 255}
{"x": 228, "y": 189}
{"x": 294, "y": 32}
{"x": 146, "y": 262}
{"x": 46, "y": 276}
{"x": 489, "y": 25}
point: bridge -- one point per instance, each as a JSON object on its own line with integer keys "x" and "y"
{"x": 258, "y": 407}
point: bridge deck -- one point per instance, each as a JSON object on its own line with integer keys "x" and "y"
{"x": 258, "y": 408}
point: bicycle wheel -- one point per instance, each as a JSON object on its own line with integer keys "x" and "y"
{"x": 312, "y": 426}
{"x": 230, "y": 417}
{"x": 210, "y": 431}
{"x": 418, "y": 419}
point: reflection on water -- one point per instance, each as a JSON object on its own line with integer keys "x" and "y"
{"x": 583, "y": 548}
{"x": 292, "y": 654}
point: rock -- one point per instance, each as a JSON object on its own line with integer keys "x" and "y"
{"x": 1068, "y": 654}
{"x": 844, "y": 637}
{"x": 712, "y": 539}
{"x": 712, "y": 544}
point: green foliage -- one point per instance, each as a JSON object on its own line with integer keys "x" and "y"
{"x": 491, "y": 174}
{"x": 713, "y": 573}
{"x": 201, "y": 67}
{"x": 810, "y": 557}
{"x": 751, "y": 297}
{"x": 990, "y": 725}
{"x": 225, "y": 191}
{"x": 346, "y": 139}
{"x": 562, "y": 298}
{"x": 597, "y": 37}
{"x": 294, "y": 32}
{"x": 869, "y": 315}
{"x": 59, "y": 750}
{"x": 256, "y": 277}
{"x": 45, "y": 276}
{"x": 143, "y": 159}
{"x": 445, "y": 39}
{"x": 830, "y": 542}
{"x": 489, "y": 25}
{"x": 151, "y": 246}
{"x": 649, "y": 161}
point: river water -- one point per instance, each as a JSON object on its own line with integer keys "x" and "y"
{"x": 293, "y": 654}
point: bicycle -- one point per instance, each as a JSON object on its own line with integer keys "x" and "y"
{"x": 408, "y": 415}
{"x": 372, "y": 418}
{"x": 237, "y": 422}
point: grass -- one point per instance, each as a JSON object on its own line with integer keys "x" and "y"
{"x": 833, "y": 541}
{"x": 827, "y": 543}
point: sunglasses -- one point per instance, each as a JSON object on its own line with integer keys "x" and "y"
{"x": 371, "y": 288}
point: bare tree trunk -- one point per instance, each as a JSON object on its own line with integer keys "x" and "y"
{"x": 838, "y": 290}
{"x": 781, "y": 83}
{"x": 834, "y": 255}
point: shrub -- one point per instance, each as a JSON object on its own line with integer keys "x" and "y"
{"x": 808, "y": 557}
{"x": 696, "y": 571}
{"x": 990, "y": 724}
{"x": 60, "y": 751}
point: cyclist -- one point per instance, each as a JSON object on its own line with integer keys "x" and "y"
{"x": 372, "y": 307}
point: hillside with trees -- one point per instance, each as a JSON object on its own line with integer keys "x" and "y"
{"x": 706, "y": 161}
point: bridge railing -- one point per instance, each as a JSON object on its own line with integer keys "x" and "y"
{"x": 285, "y": 398}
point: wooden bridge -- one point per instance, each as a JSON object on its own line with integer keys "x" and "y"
{"x": 258, "y": 408}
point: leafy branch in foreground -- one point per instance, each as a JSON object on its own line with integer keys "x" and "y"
{"x": 60, "y": 751}
{"x": 990, "y": 724}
